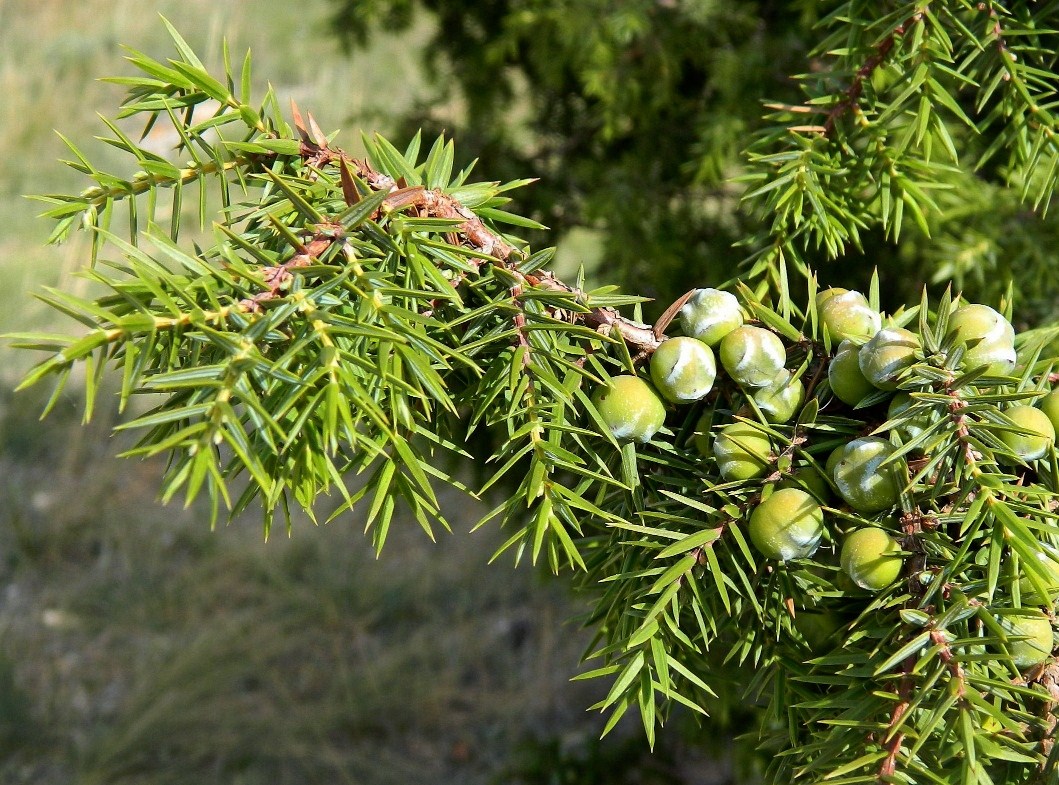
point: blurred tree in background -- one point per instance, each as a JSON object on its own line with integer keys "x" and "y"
{"x": 635, "y": 115}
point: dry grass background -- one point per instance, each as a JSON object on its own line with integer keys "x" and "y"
{"x": 138, "y": 647}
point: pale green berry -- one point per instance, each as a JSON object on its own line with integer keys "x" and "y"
{"x": 988, "y": 336}
{"x": 781, "y": 399}
{"x": 1049, "y": 559}
{"x": 862, "y": 480}
{"x": 630, "y": 408}
{"x": 808, "y": 479}
{"x": 787, "y": 525}
{"x": 710, "y": 314}
{"x": 683, "y": 369}
{"x": 844, "y": 376}
{"x": 886, "y": 355}
{"x": 1049, "y": 404}
{"x": 1031, "y": 446}
{"x": 913, "y": 427}
{"x": 847, "y": 315}
{"x": 742, "y": 451}
{"x": 1036, "y": 631}
{"x": 753, "y": 356}
{"x": 871, "y": 558}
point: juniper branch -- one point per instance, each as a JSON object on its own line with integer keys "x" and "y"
{"x": 317, "y": 152}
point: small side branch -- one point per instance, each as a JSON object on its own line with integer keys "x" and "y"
{"x": 316, "y": 151}
{"x": 853, "y": 92}
{"x": 894, "y": 737}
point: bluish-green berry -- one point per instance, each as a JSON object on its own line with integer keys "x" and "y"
{"x": 683, "y": 369}
{"x": 886, "y": 355}
{"x": 862, "y": 479}
{"x": 752, "y": 356}
{"x": 710, "y": 314}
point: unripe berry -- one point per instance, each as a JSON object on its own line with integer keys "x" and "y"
{"x": 1035, "y": 627}
{"x": 1049, "y": 404}
{"x": 741, "y": 451}
{"x": 989, "y": 337}
{"x": 860, "y": 478}
{"x": 781, "y": 399}
{"x": 753, "y": 356}
{"x": 845, "y": 377}
{"x": 808, "y": 479}
{"x": 1049, "y": 559}
{"x": 847, "y": 315}
{"x": 1033, "y": 445}
{"x": 915, "y": 426}
{"x": 683, "y": 369}
{"x": 787, "y": 525}
{"x": 630, "y": 408}
{"x": 871, "y": 558}
{"x": 889, "y": 352}
{"x": 710, "y": 314}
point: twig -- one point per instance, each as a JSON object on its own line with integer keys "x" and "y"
{"x": 317, "y": 152}
{"x": 856, "y": 87}
{"x": 895, "y": 738}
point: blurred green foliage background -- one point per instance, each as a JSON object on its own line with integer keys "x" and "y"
{"x": 136, "y": 646}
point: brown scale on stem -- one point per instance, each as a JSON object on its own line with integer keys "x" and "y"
{"x": 278, "y": 276}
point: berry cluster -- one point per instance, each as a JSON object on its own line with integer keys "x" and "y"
{"x": 859, "y": 488}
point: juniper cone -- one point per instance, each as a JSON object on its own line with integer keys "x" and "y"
{"x": 787, "y": 525}
{"x": 1049, "y": 404}
{"x": 847, "y": 315}
{"x": 352, "y": 328}
{"x": 845, "y": 377}
{"x": 886, "y": 355}
{"x": 871, "y": 558}
{"x": 988, "y": 337}
{"x": 866, "y": 477}
{"x": 1035, "y": 437}
{"x": 710, "y": 314}
{"x": 915, "y": 424}
{"x": 832, "y": 461}
{"x": 1049, "y": 559}
{"x": 742, "y": 451}
{"x": 808, "y": 479}
{"x": 630, "y": 408}
{"x": 781, "y": 398}
{"x": 1030, "y": 638}
{"x": 752, "y": 356}
{"x": 820, "y": 630}
{"x": 701, "y": 439}
{"x": 683, "y": 369}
